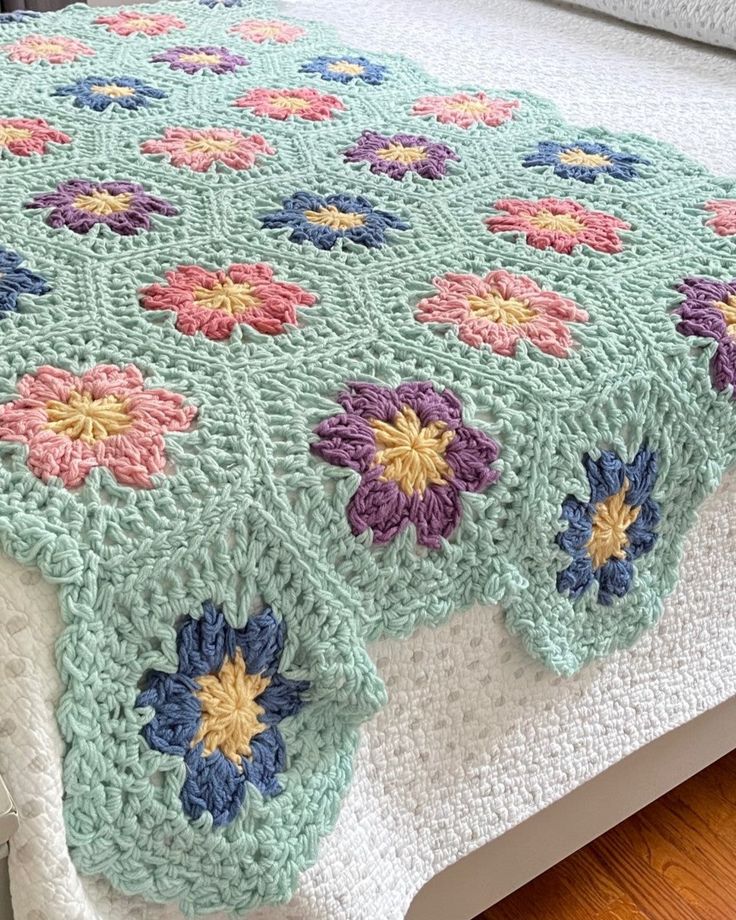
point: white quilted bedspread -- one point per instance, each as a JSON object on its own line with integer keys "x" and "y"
{"x": 476, "y": 735}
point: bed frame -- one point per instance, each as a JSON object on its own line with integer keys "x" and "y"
{"x": 486, "y": 876}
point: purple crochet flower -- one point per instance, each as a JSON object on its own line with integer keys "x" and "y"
{"x": 414, "y": 455}
{"x": 709, "y": 311}
{"x": 396, "y": 155}
{"x": 216, "y": 59}
{"x": 80, "y": 204}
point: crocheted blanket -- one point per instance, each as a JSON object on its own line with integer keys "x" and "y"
{"x": 300, "y": 348}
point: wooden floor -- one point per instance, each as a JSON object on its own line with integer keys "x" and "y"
{"x": 675, "y": 860}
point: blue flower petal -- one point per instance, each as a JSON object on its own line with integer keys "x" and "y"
{"x": 267, "y": 760}
{"x": 576, "y": 578}
{"x": 212, "y": 784}
{"x": 282, "y": 698}
{"x": 262, "y": 641}
{"x": 204, "y": 643}
{"x": 605, "y": 475}
{"x": 641, "y": 474}
{"x": 614, "y": 580}
{"x": 177, "y": 712}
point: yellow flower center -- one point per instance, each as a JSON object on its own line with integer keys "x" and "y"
{"x": 142, "y": 23}
{"x": 103, "y": 203}
{"x": 229, "y": 296}
{"x": 113, "y": 90}
{"x": 83, "y": 418}
{"x": 497, "y": 309}
{"x": 292, "y": 103}
{"x": 8, "y": 133}
{"x": 346, "y": 67}
{"x": 412, "y": 455}
{"x": 48, "y": 47}
{"x": 200, "y": 57}
{"x": 577, "y": 157}
{"x": 469, "y": 106}
{"x": 728, "y": 309}
{"x": 559, "y": 223}
{"x": 330, "y": 216}
{"x": 397, "y": 153}
{"x": 209, "y": 145}
{"x": 230, "y": 711}
{"x": 611, "y": 521}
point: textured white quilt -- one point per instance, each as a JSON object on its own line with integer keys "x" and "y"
{"x": 711, "y": 21}
{"x": 476, "y": 735}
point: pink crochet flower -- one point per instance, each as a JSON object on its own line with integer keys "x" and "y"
{"x": 500, "y": 309}
{"x": 467, "y": 109}
{"x": 214, "y": 302}
{"x": 304, "y": 103}
{"x": 54, "y": 49}
{"x": 104, "y": 418}
{"x": 24, "y": 136}
{"x": 724, "y": 222}
{"x": 199, "y": 149}
{"x": 132, "y": 22}
{"x": 265, "y": 30}
{"x": 559, "y": 224}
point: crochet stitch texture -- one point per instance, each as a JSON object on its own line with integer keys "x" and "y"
{"x": 299, "y": 349}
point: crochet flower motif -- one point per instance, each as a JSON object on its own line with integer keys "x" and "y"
{"x": 467, "y": 109}
{"x": 23, "y": 137}
{"x": 17, "y": 16}
{"x": 214, "y": 302}
{"x": 15, "y": 280}
{"x": 414, "y": 456}
{"x": 290, "y": 103}
{"x": 724, "y": 222}
{"x": 131, "y": 22}
{"x": 216, "y": 59}
{"x": 267, "y": 30}
{"x": 607, "y": 533}
{"x": 200, "y": 149}
{"x": 220, "y": 710}
{"x": 501, "y": 310}
{"x": 81, "y": 204}
{"x": 99, "y": 93}
{"x": 326, "y": 219}
{"x": 709, "y": 311}
{"x": 585, "y": 161}
{"x": 105, "y": 418}
{"x": 54, "y": 49}
{"x": 558, "y": 223}
{"x": 346, "y": 69}
{"x": 396, "y": 155}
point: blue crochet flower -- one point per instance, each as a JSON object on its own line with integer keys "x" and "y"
{"x": 214, "y": 3}
{"x": 585, "y": 161}
{"x": 346, "y": 69}
{"x": 323, "y": 220}
{"x": 612, "y": 529}
{"x": 99, "y": 93}
{"x": 17, "y": 16}
{"x": 220, "y": 710}
{"x": 15, "y": 280}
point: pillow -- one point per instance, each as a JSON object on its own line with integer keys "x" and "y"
{"x": 710, "y": 21}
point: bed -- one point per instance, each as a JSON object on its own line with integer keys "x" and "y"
{"x": 476, "y": 737}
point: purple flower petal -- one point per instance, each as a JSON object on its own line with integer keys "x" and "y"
{"x": 370, "y": 402}
{"x": 435, "y": 514}
{"x": 470, "y": 455}
{"x": 348, "y": 441}
{"x": 380, "y": 506}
